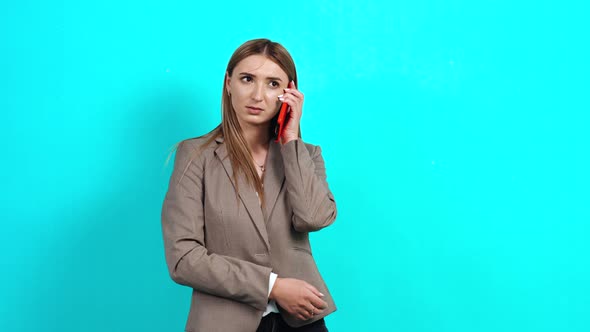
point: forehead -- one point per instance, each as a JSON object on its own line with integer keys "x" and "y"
{"x": 260, "y": 65}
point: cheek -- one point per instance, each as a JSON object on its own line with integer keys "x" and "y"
{"x": 234, "y": 100}
{"x": 277, "y": 106}
{"x": 273, "y": 93}
{"x": 272, "y": 97}
{"x": 238, "y": 96}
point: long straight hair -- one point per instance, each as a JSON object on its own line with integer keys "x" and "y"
{"x": 238, "y": 150}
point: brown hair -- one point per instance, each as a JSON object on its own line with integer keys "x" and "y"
{"x": 237, "y": 147}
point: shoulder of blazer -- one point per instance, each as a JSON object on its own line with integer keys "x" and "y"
{"x": 197, "y": 143}
{"x": 313, "y": 149}
{"x": 193, "y": 151}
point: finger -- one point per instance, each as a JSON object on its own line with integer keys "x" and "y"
{"x": 306, "y": 310}
{"x": 295, "y": 92}
{"x": 287, "y": 92}
{"x": 288, "y": 96}
{"x": 291, "y": 101}
{"x": 315, "y": 310}
{"x": 291, "y": 97}
{"x": 303, "y": 315}
{"x": 314, "y": 290}
{"x": 318, "y": 303}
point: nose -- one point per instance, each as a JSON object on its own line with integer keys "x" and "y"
{"x": 258, "y": 92}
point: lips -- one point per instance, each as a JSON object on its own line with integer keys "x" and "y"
{"x": 254, "y": 110}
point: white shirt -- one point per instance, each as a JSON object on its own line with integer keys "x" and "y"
{"x": 272, "y": 305}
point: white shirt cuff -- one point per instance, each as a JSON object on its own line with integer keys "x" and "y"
{"x": 271, "y": 281}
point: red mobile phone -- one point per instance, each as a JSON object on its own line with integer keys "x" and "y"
{"x": 281, "y": 121}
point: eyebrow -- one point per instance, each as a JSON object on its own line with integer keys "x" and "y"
{"x": 269, "y": 78}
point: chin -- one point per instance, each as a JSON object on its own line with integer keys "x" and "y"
{"x": 256, "y": 123}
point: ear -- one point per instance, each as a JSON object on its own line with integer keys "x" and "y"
{"x": 227, "y": 83}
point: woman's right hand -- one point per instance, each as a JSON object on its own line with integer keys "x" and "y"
{"x": 299, "y": 298}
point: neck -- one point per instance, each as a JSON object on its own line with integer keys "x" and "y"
{"x": 257, "y": 137}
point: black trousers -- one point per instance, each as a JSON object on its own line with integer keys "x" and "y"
{"x": 273, "y": 322}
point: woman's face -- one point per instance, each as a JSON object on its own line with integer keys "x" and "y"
{"x": 254, "y": 86}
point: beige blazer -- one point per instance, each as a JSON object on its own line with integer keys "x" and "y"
{"x": 224, "y": 247}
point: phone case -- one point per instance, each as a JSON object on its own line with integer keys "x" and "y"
{"x": 281, "y": 121}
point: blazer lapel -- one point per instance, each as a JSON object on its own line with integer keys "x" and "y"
{"x": 274, "y": 177}
{"x": 246, "y": 193}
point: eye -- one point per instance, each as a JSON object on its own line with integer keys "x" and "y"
{"x": 246, "y": 78}
{"x": 274, "y": 84}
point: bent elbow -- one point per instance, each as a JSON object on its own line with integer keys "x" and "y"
{"x": 176, "y": 274}
{"x": 176, "y": 271}
{"x": 316, "y": 222}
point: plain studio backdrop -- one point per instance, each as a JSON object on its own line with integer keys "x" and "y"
{"x": 455, "y": 136}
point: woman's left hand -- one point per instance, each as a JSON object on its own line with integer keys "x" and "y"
{"x": 293, "y": 98}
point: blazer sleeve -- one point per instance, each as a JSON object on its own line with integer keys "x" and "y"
{"x": 312, "y": 201}
{"x": 189, "y": 262}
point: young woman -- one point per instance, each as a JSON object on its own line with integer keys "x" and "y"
{"x": 241, "y": 202}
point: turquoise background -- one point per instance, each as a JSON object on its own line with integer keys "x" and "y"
{"x": 455, "y": 135}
